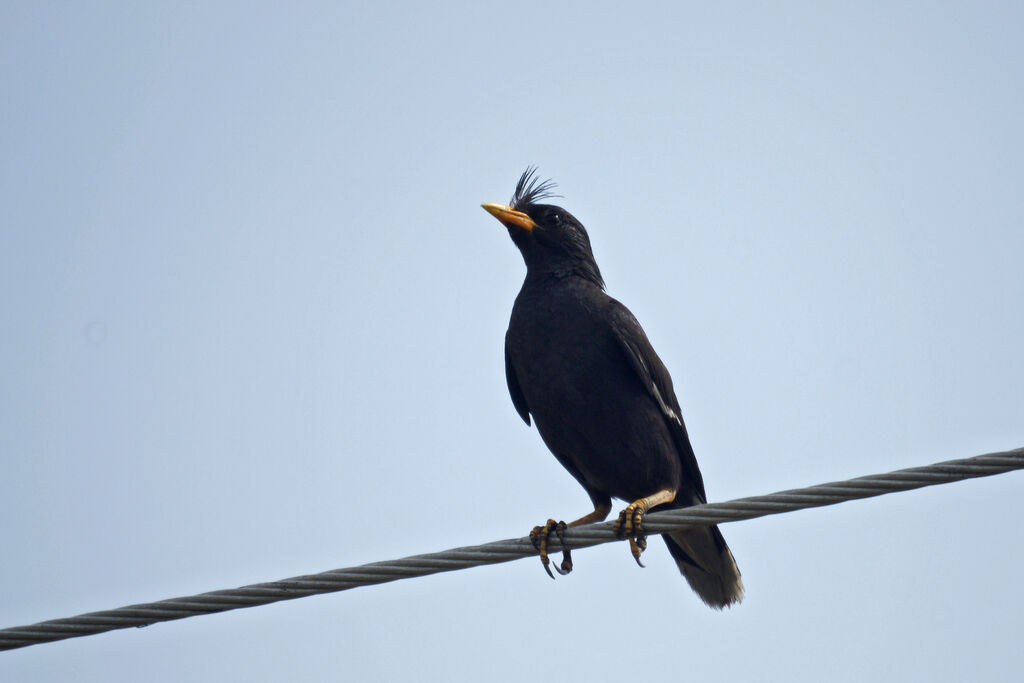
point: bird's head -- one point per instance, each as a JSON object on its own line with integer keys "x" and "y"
{"x": 550, "y": 238}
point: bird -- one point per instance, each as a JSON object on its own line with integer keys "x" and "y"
{"x": 580, "y": 366}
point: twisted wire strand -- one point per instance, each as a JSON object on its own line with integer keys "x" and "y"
{"x": 506, "y": 551}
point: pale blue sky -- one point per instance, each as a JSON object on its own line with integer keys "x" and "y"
{"x": 253, "y": 320}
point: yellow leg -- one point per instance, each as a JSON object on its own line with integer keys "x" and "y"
{"x": 540, "y": 535}
{"x": 599, "y": 514}
{"x": 630, "y": 522}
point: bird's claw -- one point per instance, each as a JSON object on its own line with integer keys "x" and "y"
{"x": 566, "y": 565}
{"x": 637, "y": 546}
{"x": 630, "y": 525}
{"x": 539, "y": 538}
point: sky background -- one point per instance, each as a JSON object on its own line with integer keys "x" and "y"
{"x": 253, "y": 316}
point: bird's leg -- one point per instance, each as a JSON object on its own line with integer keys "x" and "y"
{"x": 599, "y": 514}
{"x": 539, "y": 537}
{"x": 630, "y": 522}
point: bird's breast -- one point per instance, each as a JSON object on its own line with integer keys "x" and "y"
{"x": 587, "y": 402}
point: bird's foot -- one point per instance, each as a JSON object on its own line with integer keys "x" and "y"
{"x": 630, "y": 525}
{"x": 539, "y": 538}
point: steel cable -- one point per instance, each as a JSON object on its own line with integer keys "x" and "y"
{"x": 506, "y": 551}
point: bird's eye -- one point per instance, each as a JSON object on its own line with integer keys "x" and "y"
{"x": 556, "y": 218}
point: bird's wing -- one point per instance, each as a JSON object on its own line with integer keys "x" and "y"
{"x": 658, "y": 383}
{"x": 518, "y": 400}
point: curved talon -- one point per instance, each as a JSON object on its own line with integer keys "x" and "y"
{"x": 539, "y": 538}
{"x": 566, "y": 565}
{"x": 637, "y": 546}
{"x": 630, "y": 525}
{"x": 540, "y": 535}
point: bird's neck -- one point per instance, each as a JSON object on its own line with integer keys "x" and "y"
{"x": 574, "y": 272}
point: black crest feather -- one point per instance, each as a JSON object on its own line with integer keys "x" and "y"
{"x": 530, "y": 189}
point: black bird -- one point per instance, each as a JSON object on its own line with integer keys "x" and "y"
{"x": 580, "y": 364}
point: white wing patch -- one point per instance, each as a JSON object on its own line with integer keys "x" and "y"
{"x": 664, "y": 407}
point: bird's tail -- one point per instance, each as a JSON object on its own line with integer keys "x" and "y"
{"x": 708, "y": 565}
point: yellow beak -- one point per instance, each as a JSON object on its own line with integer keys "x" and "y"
{"x": 509, "y": 216}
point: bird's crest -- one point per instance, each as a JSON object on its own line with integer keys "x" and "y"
{"x": 530, "y": 189}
